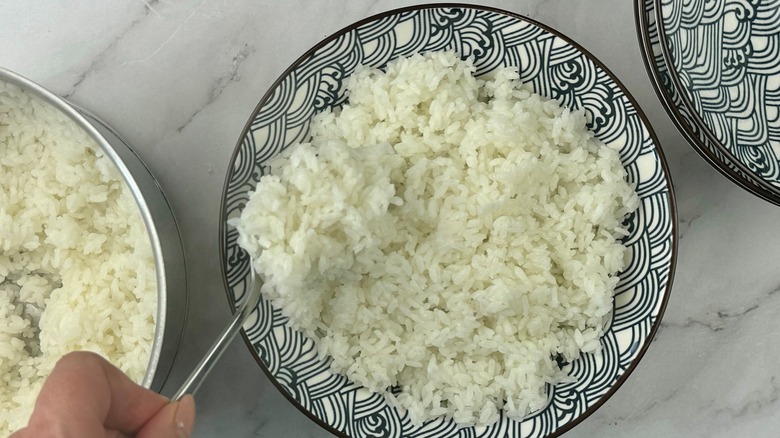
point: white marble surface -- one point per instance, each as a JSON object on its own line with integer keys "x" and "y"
{"x": 179, "y": 79}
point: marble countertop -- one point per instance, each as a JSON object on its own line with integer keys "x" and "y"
{"x": 178, "y": 79}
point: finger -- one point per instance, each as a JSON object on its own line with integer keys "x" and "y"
{"x": 86, "y": 391}
{"x": 173, "y": 421}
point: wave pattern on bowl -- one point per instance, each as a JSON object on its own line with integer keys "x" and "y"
{"x": 679, "y": 113}
{"x": 726, "y": 56}
{"x": 555, "y": 68}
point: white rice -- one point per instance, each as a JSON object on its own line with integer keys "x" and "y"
{"x": 446, "y": 234}
{"x": 76, "y": 265}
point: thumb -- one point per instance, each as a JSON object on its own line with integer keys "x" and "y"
{"x": 175, "y": 420}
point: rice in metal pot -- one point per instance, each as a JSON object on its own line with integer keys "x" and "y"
{"x": 76, "y": 264}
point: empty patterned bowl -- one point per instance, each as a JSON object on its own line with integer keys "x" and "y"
{"x": 722, "y": 67}
{"x": 555, "y": 67}
{"x": 657, "y": 68}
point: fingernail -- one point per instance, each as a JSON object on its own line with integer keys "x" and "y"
{"x": 184, "y": 418}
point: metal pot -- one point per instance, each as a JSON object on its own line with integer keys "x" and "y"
{"x": 160, "y": 225}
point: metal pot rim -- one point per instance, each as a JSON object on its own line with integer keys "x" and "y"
{"x": 73, "y": 113}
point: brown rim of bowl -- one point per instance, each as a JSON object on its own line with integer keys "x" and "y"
{"x": 767, "y": 188}
{"x": 645, "y": 48}
{"x": 672, "y": 203}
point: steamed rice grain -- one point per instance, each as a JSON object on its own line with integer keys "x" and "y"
{"x": 446, "y": 234}
{"x": 76, "y": 264}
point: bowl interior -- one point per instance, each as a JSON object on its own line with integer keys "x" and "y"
{"x": 555, "y": 67}
{"x": 652, "y": 54}
{"x": 730, "y": 84}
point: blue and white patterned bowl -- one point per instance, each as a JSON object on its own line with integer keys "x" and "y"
{"x": 556, "y": 67}
{"x": 658, "y": 70}
{"x": 722, "y": 61}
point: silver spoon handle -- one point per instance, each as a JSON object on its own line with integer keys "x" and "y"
{"x": 199, "y": 374}
{"x": 202, "y": 370}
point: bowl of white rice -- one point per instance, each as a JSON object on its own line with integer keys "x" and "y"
{"x": 90, "y": 254}
{"x": 463, "y": 224}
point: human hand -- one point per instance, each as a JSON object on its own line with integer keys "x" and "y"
{"x": 87, "y": 397}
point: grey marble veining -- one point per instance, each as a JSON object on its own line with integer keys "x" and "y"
{"x": 178, "y": 79}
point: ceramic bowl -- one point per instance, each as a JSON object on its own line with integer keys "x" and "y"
{"x": 556, "y": 67}
{"x": 657, "y": 69}
{"x": 722, "y": 61}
